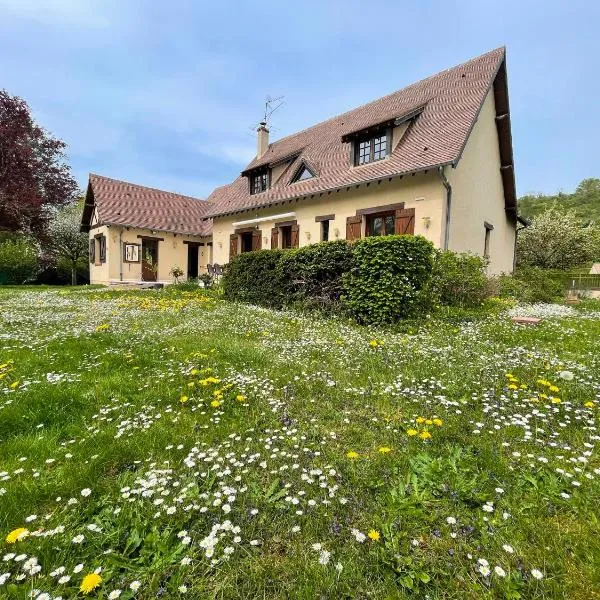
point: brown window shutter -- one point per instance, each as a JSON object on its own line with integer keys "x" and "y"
{"x": 295, "y": 235}
{"x": 256, "y": 240}
{"x": 275, "y": 237}
{"x": 353, "y": 226}
{"x": 233, "y": 245}
{"x": 103, "y": 249}
{"x": 405, "y": 221}
{"x": 92, "y": 250}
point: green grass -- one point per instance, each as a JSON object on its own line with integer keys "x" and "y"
{"x": 91, "y": 399}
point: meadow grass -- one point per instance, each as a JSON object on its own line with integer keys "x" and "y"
{"x": 166, "y": 444}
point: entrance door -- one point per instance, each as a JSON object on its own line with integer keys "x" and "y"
{"x": 192, "y": 263}
{"x": 149, "y": 259}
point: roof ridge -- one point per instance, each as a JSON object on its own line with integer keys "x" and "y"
{"x": 414, "y": 83}
{"x": 146, "y": 187}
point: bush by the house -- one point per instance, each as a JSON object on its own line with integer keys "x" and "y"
{"x": 314, "y": 274}
{"x": 531, "y": 284}
{"x": 18, "y": 260}
{"x": 388, "y": 278}
{"x": 458, "y": 279}
{"x": 253, "y": 277}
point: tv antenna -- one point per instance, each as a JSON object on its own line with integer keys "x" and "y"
{"x": 271, "y": 105}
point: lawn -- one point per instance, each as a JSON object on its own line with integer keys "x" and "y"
{"x": 169, "y": 444}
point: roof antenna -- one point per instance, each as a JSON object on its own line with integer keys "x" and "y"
{"x": 271, "y": 105}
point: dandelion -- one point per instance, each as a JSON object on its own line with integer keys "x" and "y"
{"x": 90, "y": 583}
{"x": 215, "y": 404}
{"x": 412, "y": 432}
{"x": 374, "y": 535}
{"x": 425, "y": 435}
{"x": 16, "y": 535}
{"x": 240, "y": 398}
{"x": 384, "y": 450}
{"x": 183, "y": 399}
{"x": 352, "y": 454}
{"x": 438, "y": 422}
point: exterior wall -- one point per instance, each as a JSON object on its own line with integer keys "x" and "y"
{"x": 478, "y": 196}
{"x": 171, "y": 252}
{"x": 423, "y": 192}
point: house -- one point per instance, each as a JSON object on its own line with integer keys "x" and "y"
{"x": 139, "y": 233}
{"x": 433, "y": 159}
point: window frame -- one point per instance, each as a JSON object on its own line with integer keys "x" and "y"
{"x": 371, "y": 140}
{"x": 370, "y": 217}
{"x": 303, "y": 167}
{"x": 264, "y": 176}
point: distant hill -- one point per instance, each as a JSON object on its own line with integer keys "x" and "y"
{"x": 585, "y": 201}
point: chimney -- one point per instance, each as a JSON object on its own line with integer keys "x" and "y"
{"x": 263, "y": 139}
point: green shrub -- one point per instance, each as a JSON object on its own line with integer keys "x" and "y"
{"x": 531, "y": 284}
{"x": 388, "y": 277}
{"x": 458, "y": 279}
{"x": 18, "y": 260}
{"x": 253, "y": 277}
{"x": 314, "y": 274}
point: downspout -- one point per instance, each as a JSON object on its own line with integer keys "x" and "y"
{"x": 448, "y": 187}
{"x": 517, "y": 229}
{"x": 121, "y": 254}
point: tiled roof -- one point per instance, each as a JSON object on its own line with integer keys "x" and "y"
{"x": 128, "y": 204}
{"x": 450, "y": 102}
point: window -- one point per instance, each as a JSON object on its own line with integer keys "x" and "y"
{"x": 259, "y": 182}
{"x": 371, "y": 149}
{"x": 246, "y": 241}
{"x": 131, "y": 253}
{"x": 286, "y": 236}
{"x": 303, "y": 173}
{"x": 381, "y": 224}
{"x": 324, "y": 231}
{"x": 98, "y": 250}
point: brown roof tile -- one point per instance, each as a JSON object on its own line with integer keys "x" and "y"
{"x": 128, "y": 204}
{"x": 450, "y": 103}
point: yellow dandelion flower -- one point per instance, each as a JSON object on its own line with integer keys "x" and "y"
{"x": 512, "y": 386}
{"x": 509, "y": 375}
{"x": 374, "y": 343}
{"x": 420, "y": 419}
{"x": 554, "y": 388}
{"x": 194, "y": 372}
{"x": 14, "y": 385}
{"x": 183, "y": 399}
{"x": 90, "y": 583}
{"x": 425, "y": 435}
{"x": 428, "y": 422}
{"x": 16, "y": 535}
{"x": 411, "y": 432}
{"x": 374, "y": 535}
{"x": 438, "y": 422}
{"x": 384, "y": 450}
{"x": 191, "y": 384}
{"x": 555, "y": 400}
{"x": 215, "y": 404}
{"x": 240, "y": 398}
{"x": 352, "y": 455}
{"x": 589, "y": 404}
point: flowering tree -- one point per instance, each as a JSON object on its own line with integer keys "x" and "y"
{"x": 64, "y": 238}
{"x": 556, "y": 240}
{"x": 33, "y": 171}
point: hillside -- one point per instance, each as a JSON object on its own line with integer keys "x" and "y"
{"x": 585, "y": 201}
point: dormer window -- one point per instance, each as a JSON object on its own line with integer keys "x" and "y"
{"x": 302, "y": 174}
{"x": 259, "y": 182}
{"x": 371, "y": 149}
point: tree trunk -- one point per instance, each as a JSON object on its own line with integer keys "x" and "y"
{"x": 74, "y": 275}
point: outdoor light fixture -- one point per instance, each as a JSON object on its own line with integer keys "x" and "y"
{"x": 426, "y": 222}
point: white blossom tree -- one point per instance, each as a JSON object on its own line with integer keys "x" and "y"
{"x": 65, "y": 239}
{"x": 556, "y": 239}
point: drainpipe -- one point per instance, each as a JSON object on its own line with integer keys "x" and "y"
{"x": 517, "y": 229}
{"x": 121, "y": 254}
{"x": 448, "y": 187}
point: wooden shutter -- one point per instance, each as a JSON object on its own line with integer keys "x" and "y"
{"x": 275, "y": 237}
{"x": 295, "y": 235}
{"x": 405, "y": 221}
{"x": 353, "y": 226}
{"x": 256, "y": 240}
{"x": 93, "y": 250}
{"x": 233, "y": 245}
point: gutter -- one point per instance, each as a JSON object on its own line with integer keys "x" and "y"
{"x": 448, "y": 187}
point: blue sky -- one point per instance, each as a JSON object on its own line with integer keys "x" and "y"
{"x": 165, "y": 93}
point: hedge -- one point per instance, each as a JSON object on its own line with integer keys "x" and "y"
{"x": 314, "y": 274}
{"x": 18, "y": 260}
{"x": 253, "y": 277}
{"x": 388, "y": 277}
{"x": 376, "y": 280}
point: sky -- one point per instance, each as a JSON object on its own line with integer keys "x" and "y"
{"x": 168, "y": 94}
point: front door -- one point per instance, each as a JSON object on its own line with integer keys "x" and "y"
{"x": 149, "y": 259}
{"x": 192, "y": 265}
